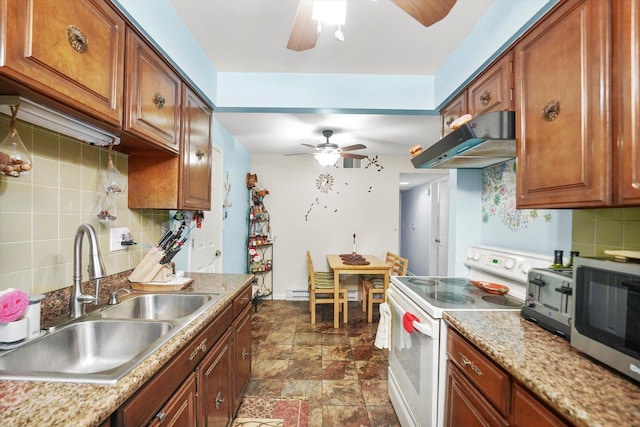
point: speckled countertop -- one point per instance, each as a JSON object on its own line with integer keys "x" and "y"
{"x": 583, "y": 391}
{"x": 27, "y": 403}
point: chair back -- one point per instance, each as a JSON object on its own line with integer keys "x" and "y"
{"x": 400, "y": 266}
{"x": 310, "y": 270}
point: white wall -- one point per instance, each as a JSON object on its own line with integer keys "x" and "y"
{"x": 363, "y": 201}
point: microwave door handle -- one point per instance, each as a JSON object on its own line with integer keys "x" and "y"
{"x": 423, "y": 328}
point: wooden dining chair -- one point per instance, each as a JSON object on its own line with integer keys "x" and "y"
{"x": 375, "y": 289}
{"x": 364, "y": 278}
{"x": 321, "y": 290}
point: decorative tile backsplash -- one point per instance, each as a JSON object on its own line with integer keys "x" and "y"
{"x": 40, "y": 213}
{"x": 596, "y": 230}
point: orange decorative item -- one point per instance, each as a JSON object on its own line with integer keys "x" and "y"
{"x": 415, "y": 150}
{"x": 490, "y": 287}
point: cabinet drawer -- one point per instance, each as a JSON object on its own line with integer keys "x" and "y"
{"x": 492, "y": 381}
{"x": 145, "y": 404}
{"x": 73, "y": 53}
{"x": 529, "y": 412}
{"x": 153, "y": 96}
{"x": 241, "y": 302}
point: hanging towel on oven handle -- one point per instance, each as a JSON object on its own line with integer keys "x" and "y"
{"x": 384, "y": 327}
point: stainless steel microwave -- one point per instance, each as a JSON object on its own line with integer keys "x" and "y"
{"x": 606, "y": 318}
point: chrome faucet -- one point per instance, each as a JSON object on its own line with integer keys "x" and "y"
{"x": 96, "y": 270}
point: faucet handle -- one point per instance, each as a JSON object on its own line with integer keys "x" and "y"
{"x": 86, "y": 298}
{"x": 113, "y": 299}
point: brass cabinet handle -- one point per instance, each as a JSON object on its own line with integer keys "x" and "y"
{"x": 202, "y": 346}
{"x": 77, "y": 39}
{"x": 158, "y": 100}
{"x": 449, "y": 120}
{"x": 485, "y": 97}
{"x": 551, "y": 111}
{"x": 219, "y": 400}
{"x": 466, "y": 362}
{"x": 245, "y": 353}
{"x": 245, "y": 299}
{"x": 199, "y": 154}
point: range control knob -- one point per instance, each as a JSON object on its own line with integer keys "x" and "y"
{"x": 509, "y": 263}
{"x": 476, "y": 256}
{"x": 526, "y": 267}
{"x": 469, "y": 253}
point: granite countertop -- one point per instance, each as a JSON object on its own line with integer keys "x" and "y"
{"x": 30, "y": 403}
{"x": 583, "y": 391}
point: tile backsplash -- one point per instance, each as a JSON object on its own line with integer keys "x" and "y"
{"x": 40, "y": 213}
{"x": 595, "y": 230}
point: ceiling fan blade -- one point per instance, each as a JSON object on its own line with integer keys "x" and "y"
{"x": 298, "y": 154}
{"x": 353, "y": 156}
{"x": 310, "y": 146}
{"x": 426, "y": 12}
{"x": 353, "y": 147}
{"x": 304, "y": 33}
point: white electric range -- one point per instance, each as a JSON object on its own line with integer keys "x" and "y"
{"x": 417, "y": 350}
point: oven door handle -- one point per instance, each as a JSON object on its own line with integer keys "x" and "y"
{"x": 423, "y": 328}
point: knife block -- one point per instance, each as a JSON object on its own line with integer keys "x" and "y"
{"x": 150, "y": 269}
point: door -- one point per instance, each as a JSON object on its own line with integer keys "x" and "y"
{"x": 206, "y": 242}
{"x": 413, "y": 363}
{"x": 439, "y": 247}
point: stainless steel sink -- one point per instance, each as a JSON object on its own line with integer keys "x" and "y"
{"x": 89, "y": 351}
{"x": 157, "y": 306}
{"x": 103, "y": 346}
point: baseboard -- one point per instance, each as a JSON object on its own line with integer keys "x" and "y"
{"x": 300, "y": 295}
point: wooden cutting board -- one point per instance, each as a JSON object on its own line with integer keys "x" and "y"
{"x": 624, "y": 254}
{"x": 171, "y": 285}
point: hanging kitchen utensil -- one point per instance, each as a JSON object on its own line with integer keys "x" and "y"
{"x": 15, "y": 160}
{"x": 112, "y": 179}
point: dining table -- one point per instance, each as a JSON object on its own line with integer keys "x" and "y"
{"x": 353, "y": 264}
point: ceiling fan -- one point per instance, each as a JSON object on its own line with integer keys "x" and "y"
{"x": 304, "y": 33}
{"x": 327, "y": 153}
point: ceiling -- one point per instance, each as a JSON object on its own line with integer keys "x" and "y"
{"x": 380, "y": 39}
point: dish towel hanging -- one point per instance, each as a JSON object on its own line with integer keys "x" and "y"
{"x": 384, "y": 327}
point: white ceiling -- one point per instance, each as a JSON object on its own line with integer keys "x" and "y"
{"x": 251, "y": 36}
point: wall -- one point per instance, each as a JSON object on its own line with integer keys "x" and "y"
{"x": 531, "y": 230}
{"x": 596, "y": 230}
{"x": 364, "y": 201}
{"x": 40, "y": 213}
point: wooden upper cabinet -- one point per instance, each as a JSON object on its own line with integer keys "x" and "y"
{"x": 195, "y": 167}
{"x": 493, "y": 90}
{"x": 562, "y": 80}
{"x": 72, "y": 52}
{"x": 456, "y": 108}
{"x": 626, "y": 98}
{"x": 153, "y": 96}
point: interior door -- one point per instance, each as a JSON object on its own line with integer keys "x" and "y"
{"x": 206, "y": 242}
{"x": 438, "y": 258}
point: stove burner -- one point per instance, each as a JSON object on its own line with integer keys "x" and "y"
{"x": 502, "y": 300}
{"x": 453, "y": 281}
{"x": 452, "y": 298}
{"x": 423, "y": 282}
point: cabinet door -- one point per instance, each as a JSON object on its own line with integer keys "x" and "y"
{"x": 153, "y": 96}
{"x": 626, "y": 99}
{"x": 528, "y": 412}
{"x": 195, "y": 167}
{"x": 214, "y": 378}
{"x": 563, "y": 109}
{"x": 456, "y": 108}
{"x": 465, "y": 406}
{"x": 73, "y": 53}
{"x": 493, "y": 90}
{"x": 180, "y": 410}
{"x": 242, "y": 328}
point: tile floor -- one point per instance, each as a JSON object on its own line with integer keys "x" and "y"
{"x": 340, "y": 371}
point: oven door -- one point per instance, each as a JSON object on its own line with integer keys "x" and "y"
{"x": 413, "y": 363}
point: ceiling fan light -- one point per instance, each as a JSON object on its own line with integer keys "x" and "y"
{"x": 330, "y": 11}
{"x": 339, "y": 35}
{"x": 327, "y": 158}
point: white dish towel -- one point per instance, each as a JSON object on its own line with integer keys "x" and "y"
{"x": 383, "y": 334}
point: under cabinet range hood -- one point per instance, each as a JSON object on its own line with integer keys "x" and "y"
{"x": 484, "y": 141}
{"x": 37, "y": 114}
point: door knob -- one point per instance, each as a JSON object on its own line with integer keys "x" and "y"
{"x": 218, "y": 252}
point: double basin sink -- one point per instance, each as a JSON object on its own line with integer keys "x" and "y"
{"x": 104, "y": 345}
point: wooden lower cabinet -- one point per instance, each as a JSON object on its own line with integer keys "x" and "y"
{"x": 481, "y": 393}
{"x": 215, "y": 387}
{"x": 180, "y": 410}
{"x": 203, "y": 384}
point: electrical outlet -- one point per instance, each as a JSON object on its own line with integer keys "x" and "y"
{"x": 115, "y": 238}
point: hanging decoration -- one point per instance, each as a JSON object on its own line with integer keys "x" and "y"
{"x": 112, "y": 179}
{"x": 227, "y": 187}
{"x": 15, "y": 159}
